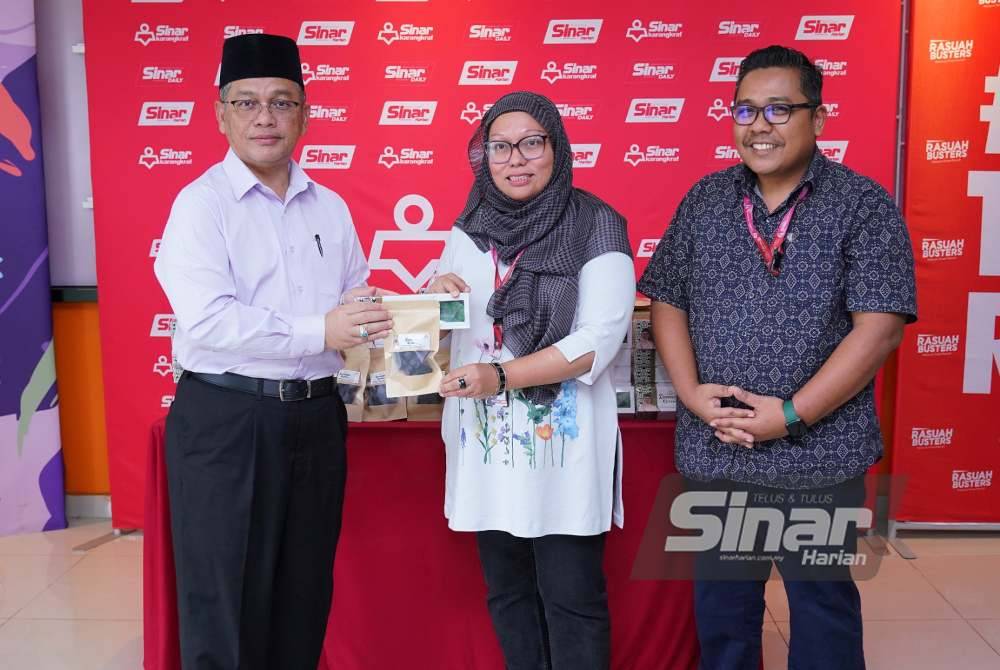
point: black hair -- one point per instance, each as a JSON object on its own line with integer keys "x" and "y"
{"x": 810, "y": 77}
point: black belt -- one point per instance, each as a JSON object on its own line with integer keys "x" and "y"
{"x": 286, "y": 390}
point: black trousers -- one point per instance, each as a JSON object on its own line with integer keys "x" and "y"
{"x": 256, "y": 493}
{"x": 548, "y": 600}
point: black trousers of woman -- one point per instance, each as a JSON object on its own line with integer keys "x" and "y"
{"x": 548, "y": 600}
{"x": 256, "y": 492}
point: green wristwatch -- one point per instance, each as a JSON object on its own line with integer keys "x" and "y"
{"x": 796, "y": 426}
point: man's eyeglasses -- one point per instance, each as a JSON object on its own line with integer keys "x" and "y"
{"x": 248, "y": 108}
{"x": 530, "y": 147}
{"x": 776, "y": 113}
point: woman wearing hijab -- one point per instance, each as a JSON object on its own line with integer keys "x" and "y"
{"x": 530, "y": 419}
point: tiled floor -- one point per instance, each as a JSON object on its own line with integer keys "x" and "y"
{"x": 66, "y": 609}
{"x": 62, "y": 609}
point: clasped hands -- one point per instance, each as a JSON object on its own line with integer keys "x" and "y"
{"x": 764, "y": 421}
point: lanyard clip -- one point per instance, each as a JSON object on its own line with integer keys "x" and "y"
{"x": 776, "y": 257}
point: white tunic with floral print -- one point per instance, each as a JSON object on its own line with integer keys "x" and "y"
{"x": 538, "y": 470}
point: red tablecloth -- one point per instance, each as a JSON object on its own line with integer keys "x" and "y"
{"x": 159, "y": 587}
{"x": 408, "y": 592}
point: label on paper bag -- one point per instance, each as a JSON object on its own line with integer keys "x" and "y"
{"x": 377, "y": 379}
{"x": 352, "y": 377}
{"x": 415, "y": 341}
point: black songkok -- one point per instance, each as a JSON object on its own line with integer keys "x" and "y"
{"x": 258, "y": 55}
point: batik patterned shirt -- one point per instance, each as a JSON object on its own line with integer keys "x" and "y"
{"x": 847, "y": 250}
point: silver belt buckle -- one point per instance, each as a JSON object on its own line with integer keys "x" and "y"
{"x": 281, "y": 391}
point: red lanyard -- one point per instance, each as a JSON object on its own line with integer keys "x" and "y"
{"x": 498, "y": 283}
{"x": 772, "y": 253}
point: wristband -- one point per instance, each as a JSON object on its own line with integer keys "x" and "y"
{"x": 793, "y": 423}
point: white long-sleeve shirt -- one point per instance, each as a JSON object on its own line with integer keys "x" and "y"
{"x": 559, "y": 472}
{"x": 246, "y": 277}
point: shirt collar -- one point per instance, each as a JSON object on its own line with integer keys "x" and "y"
{"x": 242, "y": 179}
{"x": 298, "y": 180}
{"x": 746, "y": 179}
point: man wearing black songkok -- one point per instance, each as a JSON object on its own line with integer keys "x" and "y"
{"x": 256, "y": 261}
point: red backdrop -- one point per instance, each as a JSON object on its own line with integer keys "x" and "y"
{"x": 643, "y": 88}
{"x": 947, "y": 434}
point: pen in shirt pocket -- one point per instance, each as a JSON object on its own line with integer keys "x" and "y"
{"x": 319, "y": 243}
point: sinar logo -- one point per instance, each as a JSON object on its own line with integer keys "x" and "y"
{"x": 163, "y": 325}
{"x": 407, "y": 32}
{"x": 235, "y": 31}
{"x": 832, "y": 68}
{"x": 327, "y": 156}
{"x": 332, "y": 113}
{"x": 647, "y": 248}
{"x": 835, "y": 150}
{"x": 489, "y": 33}
{"x": 654, "y": 110}
{"x": 324, "y": 72}
{"x": 408, "y": 112}
{"x": 825, "y": 27}
{"x": 739, "y": 29}
{"x": 168, "y": 75}
{"x": 325, "y": 33}
{"x": 163, "y": 33}
{"x": 166, "y": 113}
{"x": 645, "y": 70}
{"x": 585, "y": 155}
{"x": 660, "y": 30}
{"x": 573, "y": 31}
{"x": 415, "y": 74}
{"x": 726, "y": 68}
{"x": 575, "y": 112}
{"x": 553, "y": 72}
{"x": 487, "y": 72}
{"x": 653, "y": 153}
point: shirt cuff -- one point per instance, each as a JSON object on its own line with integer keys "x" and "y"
{"x": 308, "y": 335}
{"x": 575, "y": 345}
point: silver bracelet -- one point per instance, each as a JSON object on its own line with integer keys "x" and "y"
{"x": 501, "y": 377}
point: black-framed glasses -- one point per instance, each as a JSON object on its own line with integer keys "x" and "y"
{"x": 530, "y": 147}
{"x": 777, "y": 113}
{"x": 249, "y": 108}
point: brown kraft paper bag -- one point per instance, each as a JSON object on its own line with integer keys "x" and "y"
{"x": 410, "y": 348}
{"x": 378, "y": 405}
{"x": 352, "y": 378}
{"x": 430, "y": 406}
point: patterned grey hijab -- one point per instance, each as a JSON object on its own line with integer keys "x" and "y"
{"x": 559, "y": 230}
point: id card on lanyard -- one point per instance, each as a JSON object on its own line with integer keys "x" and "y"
{"x": 773, "y": 252}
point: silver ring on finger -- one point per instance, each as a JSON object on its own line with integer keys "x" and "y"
{"x": 462, "y": 383}
{"x": 363, "y": 331}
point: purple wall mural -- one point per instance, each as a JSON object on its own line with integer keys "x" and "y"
{"x": 31, "y": 468}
